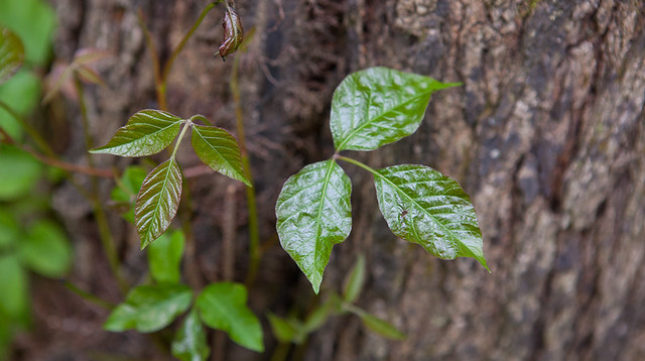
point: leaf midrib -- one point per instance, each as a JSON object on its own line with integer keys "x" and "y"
{"x": 231, "y": 166}
{"x": 157, "y": 206}
{"x": 441, "y": 225}
{"x": 320, "y": 208}
{"x": 133, "y": 140}
{"x": 370, "y": 121}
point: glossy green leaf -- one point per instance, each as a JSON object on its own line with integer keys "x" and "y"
{"x": 355, "y": 280}
{"x": 381, "y": 327}
{"x": 125, "y": 193}
{"x": 222, "y": 306}
{"x": 190, "y": 340}
{"x": 219, "y": 150}
{"x": 19, "y": 172}
{"x": 423, "y": 206}
{"x": 147, "y": 132}
{"x": 286, "y": 330}
{"x": 45, "y": 249}
{"x": 34, "y": 22}
{"x": 13, "y": 286}
{"x": 313, "y": 214}
{"x": 157, "y": 201}
{"x": 164, "y": 257}
{"x": 12, "y": 53}
{"x": 378, "y": 106}
{"x": 149, "y": 308}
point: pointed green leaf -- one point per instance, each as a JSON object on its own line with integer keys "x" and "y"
{"x": 13, "y": 286}
{"x": 12, "y": 53}
{"x": 125, "y": 193}
{"x": 190, "y": 340}
{"x": 423, "y": 206}
{"x": 219, "y": 150}
{"x": 45, "y": 249}
{"x": 314, "y": 213}
{"x": 381, "y": 327}
{"x": 354, "y": 281}
{"x": 378, "y": 106}
{"x": 158, "y": 201}
{"x": 222, "y": 306}
{"x": 164, "y": 257}
{"x": 149, "y": 308}
{"x": 147, "y": 132}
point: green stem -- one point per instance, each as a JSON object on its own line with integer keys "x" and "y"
{"x": 89, "y": 296}
{"x": 254, "y": 233}
{"x": 357, "y": 163}
{"x": 33, "y": 133}
{"x": 105, "y": 234}
{"x": 163, "y": 79}
{"x": 187, "y": 125}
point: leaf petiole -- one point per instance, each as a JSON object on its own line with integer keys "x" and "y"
{"x": 187, "y": 124}
{"x": 357, "y": 163}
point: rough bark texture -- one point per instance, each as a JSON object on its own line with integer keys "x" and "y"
{"x": 547, "y": 134}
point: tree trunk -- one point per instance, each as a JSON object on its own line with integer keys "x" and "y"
{"x": 547, "y": 135}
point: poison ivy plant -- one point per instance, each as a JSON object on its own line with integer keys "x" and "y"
{"x": 149, "y": 132}
{"x": 293, "y": 330}
{"x": 190, "y": 340}
{"x": 150, "y": 308}
{"x": 222, "y": 306}
{"x": 372, "y": 108}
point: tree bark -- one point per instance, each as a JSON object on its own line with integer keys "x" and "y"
{"x": 547, "y": 135}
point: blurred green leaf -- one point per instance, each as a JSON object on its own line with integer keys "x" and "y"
{"x": 190, "y": 340}
{"x": 150, "y": 308}
{"x": 381, "y": 327}
{"x": 284, "y": 330}
{"x": 147, "y": 132}
{"x": 319, "y": 315}
{"x": 9, "y": 229}
{"x": 19, "y": 170}
{"x": 21, "y": 93}
{"x": 34, "y": 22}
{"x": 6, "y": 335}
{"x": 127, "y": 188}
{"x": 355, "y": 280}
{"x": 45, "y": 249}
{"x": 12, "y": 53}
{"x": 164, "y": 257}
{"x": 222, "y": 306}
{"x": 13, "y": 287}
{"x": 157, "y": 201}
